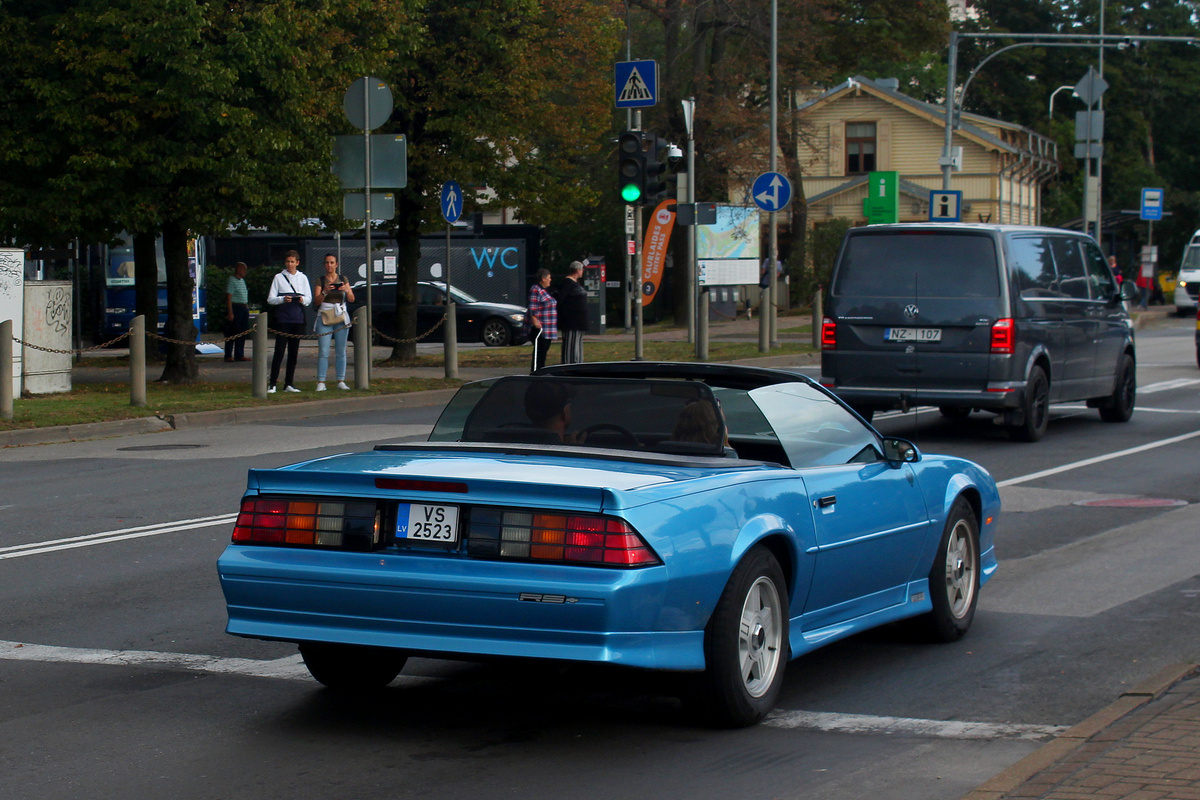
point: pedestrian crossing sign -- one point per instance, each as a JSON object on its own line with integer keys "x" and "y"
{"x": 636, "y": 84}
{"x": 945, "y": 206}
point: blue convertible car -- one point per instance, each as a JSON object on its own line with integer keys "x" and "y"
{"x": 706, "y": 519}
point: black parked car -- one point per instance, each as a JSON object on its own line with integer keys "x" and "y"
{"x": 494, "y": 324}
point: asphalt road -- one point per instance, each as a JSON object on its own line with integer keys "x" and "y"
{"x": 126, "y": 686}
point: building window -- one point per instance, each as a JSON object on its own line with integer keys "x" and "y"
{"x": 860, "y": 148}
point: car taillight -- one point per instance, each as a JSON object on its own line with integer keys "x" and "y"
{"x": 1004, "y": 335}
{"x": 307, "y": 523}
{"x": 563, "y": 538}
{"x": 828, "y": 334}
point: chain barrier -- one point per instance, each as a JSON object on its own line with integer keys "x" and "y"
{"x": 394, "y": 340}
{"x": 32, "y": 346}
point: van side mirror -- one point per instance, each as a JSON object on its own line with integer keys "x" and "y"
{"x": 901, "y": 451}
{"x": 1128, "y": 290}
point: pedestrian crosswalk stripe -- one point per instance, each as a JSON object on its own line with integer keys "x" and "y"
{"x": 635, "y": 88}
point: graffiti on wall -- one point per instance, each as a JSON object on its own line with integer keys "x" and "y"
{"x": 12, "y": 273}
{"x": 58, "y": 310}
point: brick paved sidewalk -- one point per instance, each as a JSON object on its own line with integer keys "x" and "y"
{"x": 1146, "y": 746}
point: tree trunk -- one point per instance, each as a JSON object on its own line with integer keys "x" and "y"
{"x": 181, "y": 366}
{"x": 145, "y": 276}
{"x": 408, "y": 246}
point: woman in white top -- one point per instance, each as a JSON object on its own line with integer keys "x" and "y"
{"x": 332, "y": 293}
{"x": 289, "y": 294}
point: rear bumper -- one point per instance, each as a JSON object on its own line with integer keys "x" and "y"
{"x": 441, "y": 607}
{"x": 997, "y": 397}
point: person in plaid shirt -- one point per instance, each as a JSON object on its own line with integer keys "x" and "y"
{"x": 541, "y": 321}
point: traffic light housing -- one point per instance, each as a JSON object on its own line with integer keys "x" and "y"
{"x": 654, "y": 187}
{"x": 631, "y": 167}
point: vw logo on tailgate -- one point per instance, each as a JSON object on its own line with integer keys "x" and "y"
{"x": 911, "y": 311}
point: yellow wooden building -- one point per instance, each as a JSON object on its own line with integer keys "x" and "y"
{"x": 865, "y": 125}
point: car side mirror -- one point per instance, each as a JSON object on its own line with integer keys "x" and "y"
{"x": 901, "y": 451}
{"x": 1128, "y": 290}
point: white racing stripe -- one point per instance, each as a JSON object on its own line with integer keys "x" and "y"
{"x": 941, "y": 729}
{"x": 105, "y": 537}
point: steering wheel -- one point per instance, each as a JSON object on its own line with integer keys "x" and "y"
{"x": 626, "y": 437}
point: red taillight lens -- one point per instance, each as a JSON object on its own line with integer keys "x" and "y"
{"x": 828, "y": 334}
{"x": 307, "y": 523}
{"x": 561, "y": 538}
{"x": 1004, "y": 335}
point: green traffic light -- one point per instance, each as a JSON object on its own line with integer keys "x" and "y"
{"x": 630, "y": 193}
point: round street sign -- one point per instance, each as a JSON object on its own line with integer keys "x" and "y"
{"x": 452, "y": 201}
{"x": 771, "y": 191}
{"x": 368, "y": 103}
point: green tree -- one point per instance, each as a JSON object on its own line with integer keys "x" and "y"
{"x": 179, "y": 117}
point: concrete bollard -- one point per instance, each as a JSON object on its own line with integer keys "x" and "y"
{"x": 258, "y": 357}
{"x": 6, "y": 370}
{"x": 137, "y": 362}
{"x": 818, "y": 316}
{"x": 362, "y": 350}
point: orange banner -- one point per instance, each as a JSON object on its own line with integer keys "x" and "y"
{"x": 654, "y": 251}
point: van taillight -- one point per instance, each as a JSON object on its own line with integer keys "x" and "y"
{"x": 828, "y": 334}
{"x": 1004, "y": 334}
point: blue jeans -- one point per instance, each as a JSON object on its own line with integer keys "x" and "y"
{"x": 339, "y": 336}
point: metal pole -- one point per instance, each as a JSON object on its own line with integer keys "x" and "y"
{"x": 951, "y": 77}
{"x": 689, "y": 118}
{"x": 773, "y": 250}
{"x": 636, "y": 262}
{"x": 450, "y": 327}
{"x": 6, "y": 370}
{"x": 362, "y": 349}
{"x": 137, "y": 362}
{"x": 1099, "y": 155}
{"x": 367, "y": 204}
{"x": 258, "y": 358}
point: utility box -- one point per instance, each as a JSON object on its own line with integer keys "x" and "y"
{"x": 48, "y": 313}
{"x": 594, "y": 280}
{"x": 12, "y": 303}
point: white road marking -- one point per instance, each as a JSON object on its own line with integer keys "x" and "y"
{"x": 942, "y": 729}
{"x": 292, "y": 668}
{"x": 289, "y": 668}
{"x": 105, "y": 537}
{"x": 1087, "y": 462}
{"x": 1164, "y": 386}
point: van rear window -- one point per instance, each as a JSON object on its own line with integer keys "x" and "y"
{"x": 918, "y": 264}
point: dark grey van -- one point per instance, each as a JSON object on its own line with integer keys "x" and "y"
{"x": 1000, "y": 318}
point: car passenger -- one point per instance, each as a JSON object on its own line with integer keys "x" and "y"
{"x": 697, "y": 423}
{"x": 548, "y": 406}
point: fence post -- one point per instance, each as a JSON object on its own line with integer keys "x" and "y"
{"x": 258, "y": 357}
{"x": 6, "y": 369}
{"x": 137, "y": 362}
{"x": 362, "y": 349}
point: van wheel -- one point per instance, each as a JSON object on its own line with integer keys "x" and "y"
{"x": 1119, "y": 407}
{"x": 954, "y": 412}
{"x": 1035, "y": 410}
{"x": 867, "y": 413}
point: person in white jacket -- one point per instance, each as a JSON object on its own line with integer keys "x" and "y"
{"x": 289, "y": 294}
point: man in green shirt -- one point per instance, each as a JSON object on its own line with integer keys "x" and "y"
{"x": 237, "y": 313}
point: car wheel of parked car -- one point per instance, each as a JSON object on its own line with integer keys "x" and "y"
{"x": 346, "y": 667}
{"x": 746, "y": 643}
{"x": 1119, "y": 407}
{"x": 1036, "y": 409}
{"x": 496, "y": 333}
{"x": 954, "y": 578}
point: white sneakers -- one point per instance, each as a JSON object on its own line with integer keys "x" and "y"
{"x": 291, "y": 389}
{"x": 321, "y": 386}
{"x": 341, "y": 385}
{"x": 270, "y": 390}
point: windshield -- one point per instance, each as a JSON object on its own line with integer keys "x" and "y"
{"x": 1191, "y": 258}
{"x": 459, "y": 295}
{"x": 918, "y": 264}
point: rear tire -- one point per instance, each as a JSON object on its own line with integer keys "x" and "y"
{"x": 954, "y": 412}
{"x": 1035, "y": 409}
{"x": 1119, "y": 406}
{"x": 746, "y": 644}
{"x": 352, "y": 668}
{"x": 954, "y": 577}
{"x": 864, "y": 412}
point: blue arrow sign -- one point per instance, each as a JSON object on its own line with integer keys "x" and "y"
{"x": 452, "y": 201}
{"x": 771, "y": 191}
{"x": 636, "y": 83}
